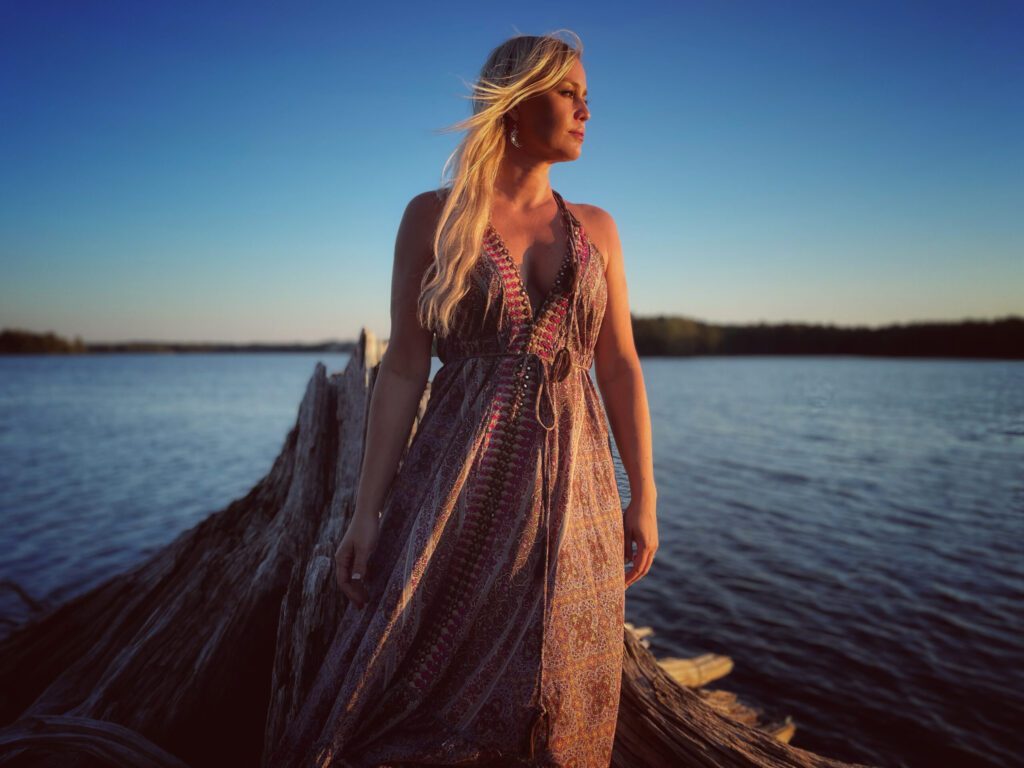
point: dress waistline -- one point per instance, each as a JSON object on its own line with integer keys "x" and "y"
{"x": 549, "y": 369}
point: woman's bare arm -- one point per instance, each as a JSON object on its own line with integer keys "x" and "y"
{"x": 621, "y": 382}
{"x": 405, "y": 365}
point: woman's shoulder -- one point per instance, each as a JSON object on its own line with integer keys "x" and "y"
{"x": 430, "y": 201}
{"x": 598, "y": 224}
{"x": 423, "y": 211}
{"x": 595, "y": 215}
{"x": 416, "y": 231}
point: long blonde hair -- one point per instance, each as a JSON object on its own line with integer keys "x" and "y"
{"x": 521, "y": 67}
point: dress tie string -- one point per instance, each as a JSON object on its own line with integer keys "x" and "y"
{"x": 557, "y": 370}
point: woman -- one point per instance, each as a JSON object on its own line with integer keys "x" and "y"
{"x": 484, "y": 578}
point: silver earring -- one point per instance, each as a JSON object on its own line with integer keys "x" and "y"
{"x": 514, "y": 136}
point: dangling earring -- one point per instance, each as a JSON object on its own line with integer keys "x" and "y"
{"x": 514, "y": 135}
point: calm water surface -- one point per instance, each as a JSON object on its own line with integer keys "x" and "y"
{"x": 848, "y": 530}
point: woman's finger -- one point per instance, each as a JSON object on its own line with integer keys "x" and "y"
{"x": 641, "y": 563}
{"x": 342, "y": 558}
{"x": 648, "y": 560}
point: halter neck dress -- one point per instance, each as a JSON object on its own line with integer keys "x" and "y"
{"x": 493, "y": 633}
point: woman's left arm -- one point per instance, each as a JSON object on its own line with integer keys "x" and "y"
{"x": 621, "y": 382}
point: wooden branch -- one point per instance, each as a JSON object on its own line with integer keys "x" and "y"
{"x": 62, "y": 736}
{"x": 200, "y": 655}
{"x": 662, "y": 723}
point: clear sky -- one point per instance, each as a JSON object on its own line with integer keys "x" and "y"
{"x": 237, "y": 172}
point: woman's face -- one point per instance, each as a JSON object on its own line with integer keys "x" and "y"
{"x": 551, "y": 124}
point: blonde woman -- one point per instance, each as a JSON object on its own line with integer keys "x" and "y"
{"x": 486, "y": 577}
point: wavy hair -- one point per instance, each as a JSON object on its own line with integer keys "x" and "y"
{"x": 521, "y": 67}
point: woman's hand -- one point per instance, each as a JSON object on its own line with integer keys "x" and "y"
{"x": 640, "y": 526}
{"x": 353, "y": 554}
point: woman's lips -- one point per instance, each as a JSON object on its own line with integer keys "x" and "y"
{"x": 577, "y": 134}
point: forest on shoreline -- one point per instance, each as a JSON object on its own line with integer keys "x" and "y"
{"x": 660, "y": 335}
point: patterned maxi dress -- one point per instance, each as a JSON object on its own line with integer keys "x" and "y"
{"x": 493, "y": 631}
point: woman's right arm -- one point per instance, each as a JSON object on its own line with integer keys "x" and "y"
{"x": 401, "y": 378}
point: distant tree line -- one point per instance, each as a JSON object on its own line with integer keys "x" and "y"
{"x": 665, "y": 335}
{"x": 674, "y": 336}
{"x": 18, "y": 341}
{"x": 14, "y": 341}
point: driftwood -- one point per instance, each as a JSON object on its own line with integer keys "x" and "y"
{"x": 199, "y": 656}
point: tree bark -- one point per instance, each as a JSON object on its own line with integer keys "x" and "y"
{"x": 200, "y": 655}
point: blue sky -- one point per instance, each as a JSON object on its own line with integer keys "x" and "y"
{"x": 237, "y": 172}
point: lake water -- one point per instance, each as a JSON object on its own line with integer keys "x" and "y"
{"x": 847, "y": 529}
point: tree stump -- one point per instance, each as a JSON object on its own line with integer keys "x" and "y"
{"x": 200, "y": 655}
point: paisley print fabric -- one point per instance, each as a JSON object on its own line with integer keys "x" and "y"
{"x": 493, "y": 633}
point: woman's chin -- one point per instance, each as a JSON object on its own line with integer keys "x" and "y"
{"x": 573, "y": 152}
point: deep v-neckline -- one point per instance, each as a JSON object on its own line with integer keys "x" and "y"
{"x": 567, "y": 259}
